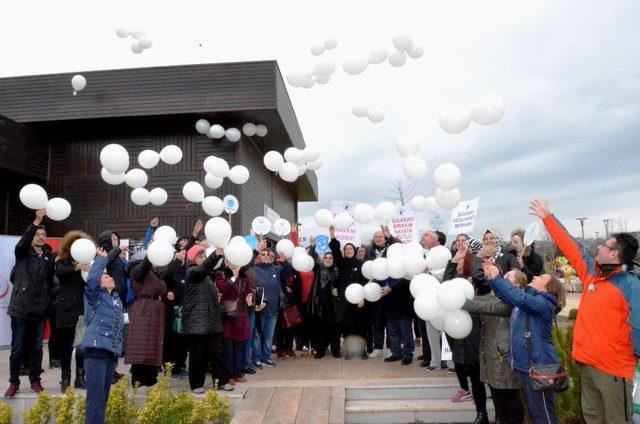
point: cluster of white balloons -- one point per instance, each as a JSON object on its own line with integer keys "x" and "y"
{"x": 232, "y": 134}
{"x": 356, "y": 293}
{"x": 320, "y": 74}
{"x": 300, "y": 259}
{"x": 83, "y": 251}
{"x": 115, "y": 163}
{"x": 78, "y": 82}
{"x": 362, "y": 213}
{"x": 414, "y": 167}
{"x": 319, "y": 49}
{"x": 486, "y": 109}
{"x": 35, "y": 197}
{"x": 142, "y": 41}
{"x": 403, "y": 48}
{"x": 294, "y": 163}
{"x": 374, "y": 115}
{"x": 440, "y": 303}
{"x": 217, "y": 169}
{"x": 447, "y": 177}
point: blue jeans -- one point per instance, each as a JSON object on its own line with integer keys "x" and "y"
{"x": 25, "y": 334}
{"x": 246, "y": 354}
{"x": 400, "y": 333}
{"x": 542, "y": 405}
{"x": 262, "y": 342}
{"x": 98, "y": 375}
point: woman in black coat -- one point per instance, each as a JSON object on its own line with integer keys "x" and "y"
{"x": 69, "y": 306}
{"x": 324, "y": 306}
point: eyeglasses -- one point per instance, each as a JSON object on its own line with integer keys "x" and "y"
{"x": 609, "y": 247}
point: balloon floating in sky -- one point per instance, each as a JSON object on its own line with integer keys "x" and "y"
{"x": 78, "y": 82}
{"x": 486, "y": 109}
{"x": 142, "y": 41}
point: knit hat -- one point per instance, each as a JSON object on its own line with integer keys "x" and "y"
{"x": 193, "y": 252}
{"x": 474, "y": 245}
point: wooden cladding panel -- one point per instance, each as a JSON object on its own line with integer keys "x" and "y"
{"x": 21, "y": 151}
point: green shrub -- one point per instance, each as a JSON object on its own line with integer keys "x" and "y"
{"x": 65, "y": 407}
{"x": 41, "y": 412}
{"x": 120, "y": 407}
{"x": 6, "y": 413}
{"x": 81, "y": 404}
{"x": 568, "y": 402}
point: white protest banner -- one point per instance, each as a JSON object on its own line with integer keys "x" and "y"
{"x": 463, "y": 217}
{"x": 438, "y": 223}
{"x": 352, "y": 234}
{"x": 404, "y": 225}
{"x": 7, "y": 260}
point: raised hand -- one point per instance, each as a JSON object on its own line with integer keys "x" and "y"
{"x": 487, "y": 252}
{"x": 461, "y": 253}
{"x": 154, "y": 222}
{"x": 332, "y": 231}
{"x": 83, "y": 267}
{"x": 262, "y": 244}
{"x": 490, "y": 270}
{"x": 312, "y": 241}
{"x": 114, "y": 240}
{"x": 539, "y": 209}
{"x": 386, "y": 231}
{"x": 219, "y": 251}
{"x": 197, "y": 228}
{"x": 40, "y": 213}
{"x": 181, "y": 255}
{"x": 100, "y": 252}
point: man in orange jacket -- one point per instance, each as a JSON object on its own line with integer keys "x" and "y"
{"x": 606, "y": 337}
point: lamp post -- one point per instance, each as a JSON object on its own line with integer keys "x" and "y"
{"x": 606, "y": 227}
{"x": 582, "y": 225}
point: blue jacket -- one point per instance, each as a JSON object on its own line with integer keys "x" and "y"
{"x": 104, "y": 315}
{"x": 541, "y": 309}
{"x": 272, "y": 277}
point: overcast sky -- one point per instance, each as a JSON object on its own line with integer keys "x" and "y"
{"x": 569, "y": 73}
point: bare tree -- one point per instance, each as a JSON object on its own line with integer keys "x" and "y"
{"x": 400, "y": 191}
{"x": 620, "y": 224}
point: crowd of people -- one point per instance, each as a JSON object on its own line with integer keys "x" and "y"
{"x": 204, "y": 315}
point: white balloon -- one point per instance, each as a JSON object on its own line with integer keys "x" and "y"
{"x": 379, "y": 269}
{"x": 354, "y": 293}
{"x": 292, "y": 154}
{"x": 238, "y": 253}
{"x": 458, "y": 324}
{"x": 285, "y": 247}
{"x": 414, "y": 264}
{"x": 311, "y": 154}
{"x": 403, "y": 43}
{"x": 233, "y": 134}
{"x": 469, "y": 291}
{"x": 122, "y": 33}
{"x": 261, "y": 130}
{"x": 239, "y": 174}
{"x": 216, "y": 131}
{"x": 487, "y": 109}
{"x": 395, "y": 267}
{"x": 300, "y": 262}
{"x": 363, "y": 213}
{"x": 83, "y": 251}
{"x": 140, "y": 196}
{"x": 203, "y": 126}
{"x": 426, "y": 306}
{"x": 301, "y": 169}
{"x": 299, "y": 250}
{"x": 289, "y": 172}
{"x": 397, "y": 59}
{"x": 414, "y": 168}
{"x": 148, "y": 159}
{"x": 407, "y": 146}
{"x": 366, "y": 270}
{"x": 273, "y": 161}
{"x": 375, "y": 116}
{"x": 212, "y": 181}
{"x": 136, "y": 47}
{"x": 146, "y": 42}
{"x": 360, "y": 111}
{"x": 432, "y": 205}
{"x": 160, "y": 252}
{"x": 137, "y": 34}
{"x": 193, "y": 192}
{"x": 33, "y": 196}
{"x": 171, "y": 154}
{"x": 424, "y": 282}
{"x": 447, "y": 199}
{"x": 219, "y": 168}
{"x": 114, "y": 158}
{"x": 413, "y": 248}
{"x": 447, "y": 176}
{"x": 78, "y": 82}
{"x": 438, "y": 323}
{"x": 451, "y": 296}
{"x": 385, "y": 211}
{"x": 323, "y": 218}
{"x": 396, "y": 250}
{"x": 158, "y": 196}
{"x": 249, "y": 129}
{"x": 315, "y": 165}
{"x": 310, "y": 264}
{"x": 212, "y": 206}
{"x": 317, "y": 50}
{"x": 378, "y": 56}
{"x": 166, "y": 233}
{"x": 237, "y": 239}
{"x": 113, "y": 179}
{"x": 455, "y": 122}
{"x": 58, "y": 209}
{"x": 136, "y": 178}
{"x": 342, "y": 221}
{"x": 330, "y": 43}
{"x": 419, "y": 203}
{"x": 299, "y": 79}
{"x": 324, "y": 69}
{"x": 438, "y": 257}
{"x": 322, "y": 79}
{"x": 416, "y": 52}
{"x": 354, "y": 67}
{"x": 372, "y": 291}
{"x": 218, "y": 231}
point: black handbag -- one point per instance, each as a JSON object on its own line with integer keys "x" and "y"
{"x": 545, "y": 378}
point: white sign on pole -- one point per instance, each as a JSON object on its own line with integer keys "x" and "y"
{"x": 463, "y": 217}
{"x": 404, "y": 225}
{"x": 7, "y": 260}
{"x": 231, "y": 204}
{"x": 261, "y": 225}
{"x": 353, "y": 234}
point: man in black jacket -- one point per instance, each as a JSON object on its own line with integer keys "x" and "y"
{"x": 32, "y": 279}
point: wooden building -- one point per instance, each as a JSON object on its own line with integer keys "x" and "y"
{"x": 50, "y": 137}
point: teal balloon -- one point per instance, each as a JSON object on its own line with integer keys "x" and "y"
{"x": 251, "y": 241}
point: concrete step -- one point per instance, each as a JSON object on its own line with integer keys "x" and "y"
{"x": 399, "y": 391}
{"x": 410, "y": 411}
